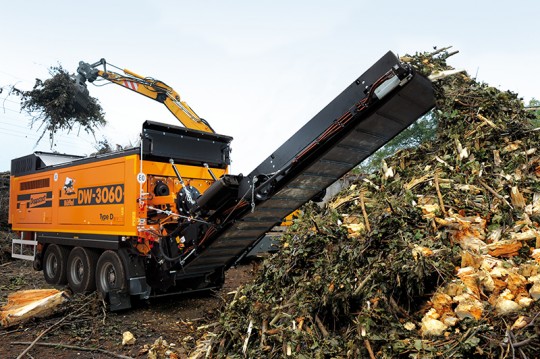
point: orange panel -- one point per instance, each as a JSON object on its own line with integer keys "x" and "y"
{"x": 98, "y": 197}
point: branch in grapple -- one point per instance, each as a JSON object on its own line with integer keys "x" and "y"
{"x": 54, "y": 106}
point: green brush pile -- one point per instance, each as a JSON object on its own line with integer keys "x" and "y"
{"x": 433, "y": 256}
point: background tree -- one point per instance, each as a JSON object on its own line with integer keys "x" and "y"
{"x": 534, "y": 105}
{"x": 420, "y": 131}
{"x": 4, "y": 200}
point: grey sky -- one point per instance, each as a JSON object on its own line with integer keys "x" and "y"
{"x": 256, "y": 70}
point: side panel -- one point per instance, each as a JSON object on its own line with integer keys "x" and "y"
{"x": 97, "y": 197}
{"x": 92, "y": 195}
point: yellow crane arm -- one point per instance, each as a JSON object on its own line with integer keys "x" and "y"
{"x": 149, "y": 87}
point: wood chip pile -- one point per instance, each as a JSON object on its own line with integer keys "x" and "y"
{"x": 436, "y": 255}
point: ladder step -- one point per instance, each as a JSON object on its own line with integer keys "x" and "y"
{"x": 18, "y": 247}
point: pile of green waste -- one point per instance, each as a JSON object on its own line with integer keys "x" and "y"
{"x": 435, "y": 255}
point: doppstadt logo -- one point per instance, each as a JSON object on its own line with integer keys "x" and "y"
{"x": 38, "y": 199}
{"x": 33, "y": 200}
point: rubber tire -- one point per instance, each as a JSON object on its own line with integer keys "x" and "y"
{"x": 110, "y": 274}
{"x": 81, "y": 270}
{"x": 55, "y": 264}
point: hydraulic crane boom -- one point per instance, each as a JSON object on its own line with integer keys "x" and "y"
{"x": 147, "y": 86}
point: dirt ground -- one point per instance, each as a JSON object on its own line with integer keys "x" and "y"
{"x": 85, "y": 323}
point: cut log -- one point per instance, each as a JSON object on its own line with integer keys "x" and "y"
{"x": 28, "y": 304}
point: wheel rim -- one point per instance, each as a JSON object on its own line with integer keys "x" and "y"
{"x": 52, "y": 265}
{"x": 107, "y": 277}
{"x": 77, "y": 271}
